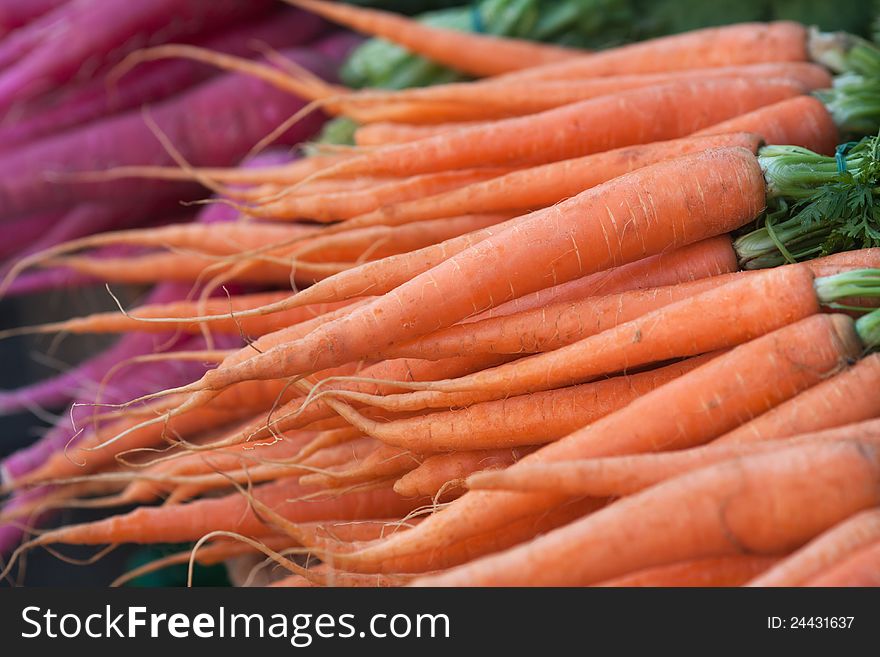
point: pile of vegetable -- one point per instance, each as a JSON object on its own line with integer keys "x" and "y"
{"x": 589, "y": 318}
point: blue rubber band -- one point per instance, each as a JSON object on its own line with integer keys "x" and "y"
{"x": 477, "y": 19}
{"x": 840, "y": 155}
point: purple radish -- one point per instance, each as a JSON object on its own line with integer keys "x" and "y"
{"x": 213, "y": 124}
{"x": 154, "y": 81}
{"x": 98, "y": 33}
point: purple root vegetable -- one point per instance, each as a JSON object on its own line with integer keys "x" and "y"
{"x": 338, "y": 46}
{"x": 214, "y": 124}
{"x": 154, "y": 81}
{"x": 15, "y": 13}
{"x": 21, "y": 233}
{"x": 97, "y": 33}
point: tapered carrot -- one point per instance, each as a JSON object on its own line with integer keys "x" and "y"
{"x": 447, "y": 472}
{"x": 730, "y": 45}
{"x": 541, "y": 186}
{"x": 376, "y": 242}
{"x": 824, "y": 552}
{"x": 848, "y": 397}
{"x": 552, "y": 326}
{"x": 344, "y": 205}
{"x": 718, "y": 571}
{"x": 676, "y": 109}
{"x": 115, "y": 322}
{"x": 186, "y": 522}
{"x": 624, "y": 475}
{"x": 860, "y": 569}
{"x": 477, "y": 54}
{"x": 709, "y": 257}
{"x": 500, "y": 98}
{"x": 765, "y": 504}
{"x": 516, "y": 421}
{"x": 717, "y": 318}
{"x": 322, "y": 575}
{"x": 222, "y": 239}
{"x": 803, "y": 121}
{"x": 683, "y": 413}
{"x": 500, "y": 268}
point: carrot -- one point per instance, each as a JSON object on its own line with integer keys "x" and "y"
{"x": 542, "y": 186}
{"x": 845, "y": 398}
{"x": 477, "y": 54}
{"x": 502, "y": 267}
{"x": 187, "y": 522}
{"x": 720, "y": 317}
{"x": 710, "y": 257}
{"x": 730, "y": 45}
{"x": 516, "y": 421}
{"x": 444, "y": 473}
{"x": 803, "y": 121}
{"x": 459, "y": 103}
{"x": 719, "y": 571}
{"x": 114, "y": 322}
{"x": 861, "y": 569}
{"x": 676, "y": 109}
{"x": 684, "y": 412}
{"x": 624, "y": 475}
{"x": 322, "y": 575}
{"x": 832, "y": 547}
{"x": 344, "y": 205}
{"x": 552, "y": 326}
{"x": 764, "y": 505}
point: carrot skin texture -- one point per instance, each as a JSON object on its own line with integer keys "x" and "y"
{"x": 751, "y": 505}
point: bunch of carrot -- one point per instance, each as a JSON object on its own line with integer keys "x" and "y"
{"x": 517, "y": 351}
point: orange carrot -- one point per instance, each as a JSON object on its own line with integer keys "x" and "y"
{"x": 624, "y": 475}
{"x": 517, "y": 421}
{"x": 447, "y": 472}
{"x": 344, "y": 205}
{"x": 637, "y": 116}
{"x": 187, "y": 522}
{"x": 710, "y": 257}
{"x": 542, "y": 186}
{"x": 719, "y": 571}
{"x": 731, "y": 45}
{"x": 802, "y": 121}
{"x": 459, "y": 103}
{"x": 477, "y": 54}
{"x": 765, "y": 504}
{"x": 845, "y": 398}
{"x": 824, "y": 552}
